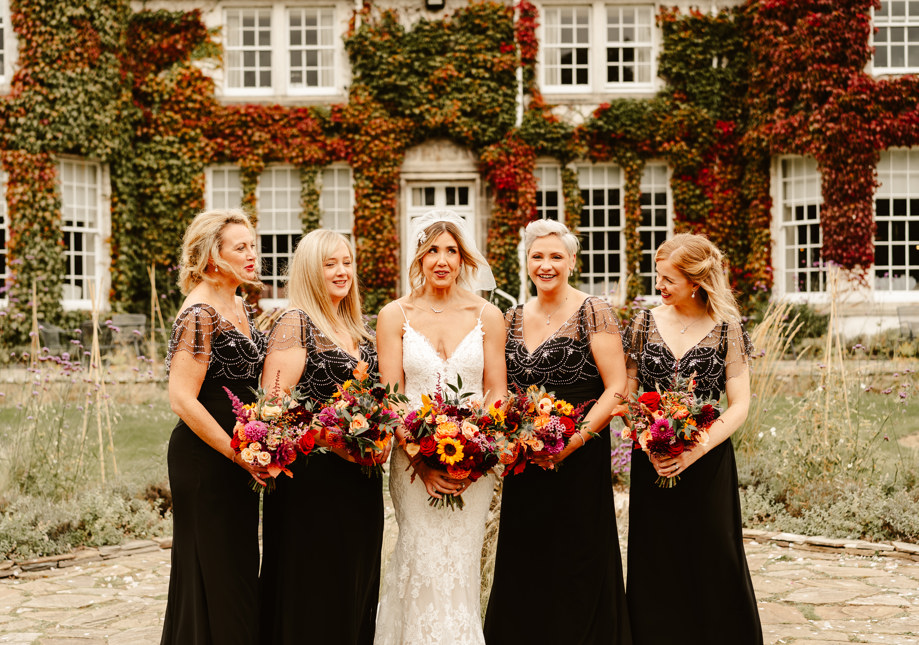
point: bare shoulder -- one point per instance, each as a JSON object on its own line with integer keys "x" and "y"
{"x": 391, "y": 311}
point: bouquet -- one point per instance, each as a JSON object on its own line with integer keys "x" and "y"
{"x": 459, "y": 438}
{"x": 359, "y": 419}
{"x": 545, "y": 427}
{"x": 271, "y": 431}
{"x": 664, "y": 424}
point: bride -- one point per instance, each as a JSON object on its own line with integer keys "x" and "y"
{"x": 439, "y": 333}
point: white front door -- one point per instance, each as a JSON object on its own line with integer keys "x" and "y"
{"x": 423, "y": 196}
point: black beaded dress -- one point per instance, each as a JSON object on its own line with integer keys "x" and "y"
{"x": 558, "y": 569}
{"x": 215, "y": 553}
{"x": 322, "y": 529}
{"x": 686, "y": 550}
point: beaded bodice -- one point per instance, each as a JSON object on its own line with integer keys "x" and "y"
{"x": 213, "y": 340}
{"x": 327, "y": 365}
{"x": 722, "y": 354}
{"x": 565, "y": 358}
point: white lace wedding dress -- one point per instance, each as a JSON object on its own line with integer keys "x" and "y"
{"x": 430, "y": 593}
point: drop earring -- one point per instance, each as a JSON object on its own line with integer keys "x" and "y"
{"x": 693, "y": 294}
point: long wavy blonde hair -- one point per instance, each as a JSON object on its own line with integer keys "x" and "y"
{"x": 703, "y": 264}
{"x": 306, "y": 287}
{"x": 201, "y": 247}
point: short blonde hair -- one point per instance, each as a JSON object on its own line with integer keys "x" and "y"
{"x": 703, "y": 264}
{"x": 431, "y": 233}
{"x": 201, "y": 246}
{"x": 543, "y": 227}
{"x": 307, "y": 291}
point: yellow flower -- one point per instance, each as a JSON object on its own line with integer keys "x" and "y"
{"x": 496, "y": 414}
{"x": 564, "y": 408}
{"x": 450, "y": 450}
{"x": 346, "y": 384}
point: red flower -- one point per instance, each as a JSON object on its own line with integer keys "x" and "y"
{"x": 306, "y": 443}
{"x": 428, "y": 446}
{"x": 569, "y": 426}
{"x": 706, "y": 416}
{"x": 651, "y": 400}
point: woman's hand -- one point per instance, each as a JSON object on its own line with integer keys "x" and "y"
{"x": 673, "y": 466}
{"x": 549, "y": 462}
{"x": 438, "y": 483}
{"x": 259, "y": 473}
{"x": 383, "y": 455}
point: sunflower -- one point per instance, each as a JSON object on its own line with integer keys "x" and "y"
{"x": 450, "y": 450}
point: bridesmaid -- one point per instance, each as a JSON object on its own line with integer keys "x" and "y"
{"x": 214, "y": 345}
{"x": 558, "y": 547}
{"x": 685, "y": 542}
{"x": 323, "y": 528}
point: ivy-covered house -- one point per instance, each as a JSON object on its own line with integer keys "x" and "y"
{"x": 786, "y": 130}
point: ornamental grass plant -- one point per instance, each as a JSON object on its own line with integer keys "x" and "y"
{"x": 820, "y": 451}
{"x": 82, "y": 452}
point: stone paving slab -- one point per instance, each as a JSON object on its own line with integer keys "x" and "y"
{"x": 806, "y": 597}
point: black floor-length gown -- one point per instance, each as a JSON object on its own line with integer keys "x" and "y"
{"x": 215, "y": 553}
{"x": 558, "y": 570}
{"x": 322, "y": 529}
{"x": 686, "y": 542}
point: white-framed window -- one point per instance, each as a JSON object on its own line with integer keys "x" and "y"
{"x": 896, "y": 212}
{"x": 598, "y": 47}
{"x": 7, "y": 45}
{"x": 311, "y": 47}
{"x": 601, "y": 228}
{"x": 248, "y": 48}
{"x": 85, "y": 224}
{"x": 896, "y": 39}
{"x": 4, "y": 240}
{"x": 799, "y": 235}
{"x": 549, "y": 196}
{"x": 336, "y": 200}
{"x": 276, "y": 49}
{"x": 224, "y": 187}
{"x": 279, "y": 227}
{"x": 566, "y": 47}
{"x": 629, "y": 45}
{"x": 655, "y": 221}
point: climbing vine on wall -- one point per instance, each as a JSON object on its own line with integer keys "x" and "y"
{"x": 742, "y": 84}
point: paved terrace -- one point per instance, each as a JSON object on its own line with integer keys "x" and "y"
{"x": 811, "y": 591}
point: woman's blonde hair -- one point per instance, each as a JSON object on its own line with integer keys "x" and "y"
{"x": 307, "y": 290}
{"x": 468, "y": 263}
{"x": 543, "y": 227}
{"x": 702, "y": 263}
{"x": 201, "y": 247}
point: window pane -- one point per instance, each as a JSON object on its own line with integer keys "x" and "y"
{"x": 248, "y": 47}
{"x": 897, "y": 217}
{"x": 312, "y": 37}
{"x": 800, "y": 207}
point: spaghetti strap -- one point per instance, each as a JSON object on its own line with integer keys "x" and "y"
{"x": 402, "y": 310}
{"x": 481, "y": 310}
